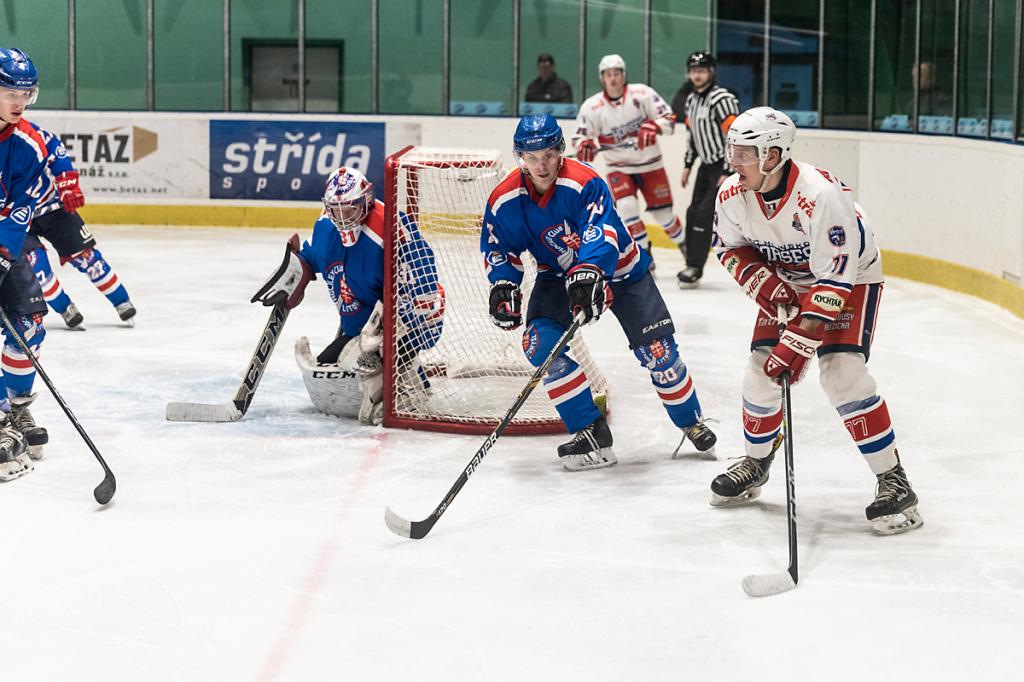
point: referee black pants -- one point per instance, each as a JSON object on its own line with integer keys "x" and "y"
{"x": 700, "y": 215}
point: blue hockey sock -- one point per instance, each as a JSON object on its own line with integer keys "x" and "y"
{"x": 53, "y": 292}
{"x": 98, "y": 270}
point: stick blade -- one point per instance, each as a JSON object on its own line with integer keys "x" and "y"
{"x": 397, "y": 524}
{"x": 768, "y": 584}
{"x": 415, "y": 530}
{"x": 200, "y": 412}
{"x": 104, "y": 492}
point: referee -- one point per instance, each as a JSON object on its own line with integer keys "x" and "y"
{"x": 710, "y": 110}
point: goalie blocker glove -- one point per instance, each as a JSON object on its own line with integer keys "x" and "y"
{"x": 506, "y": 305}
{"x": 287, "y": 285}
{"x": 587, "y": 292}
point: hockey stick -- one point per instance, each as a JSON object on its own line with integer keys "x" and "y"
{"x": 629, "y": 144}
{"x": 419, "y": 529}
{"x": 233, "y": 409}
{"x": 773, "y": 583}
{"x": 104, "y": 492}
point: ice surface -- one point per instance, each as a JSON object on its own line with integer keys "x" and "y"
{"x": 257, "y": 550}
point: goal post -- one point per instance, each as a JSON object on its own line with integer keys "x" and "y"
{"x": 455, "y": 372}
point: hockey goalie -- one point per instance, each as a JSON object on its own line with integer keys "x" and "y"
{"x": 347, "y": 250}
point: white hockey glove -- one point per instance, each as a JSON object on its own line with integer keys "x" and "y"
{"x": 287, "y": 285}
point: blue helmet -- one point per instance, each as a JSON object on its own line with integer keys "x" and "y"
{"x": 536, "y": 133}
{"x": 16, "y": 70}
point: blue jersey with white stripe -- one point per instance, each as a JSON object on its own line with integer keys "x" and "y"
{"x": 355, "y": 275}
{"x": 57, "y": 162}
{"x": 574, "y": 222}
{"x": 22, "y": 182}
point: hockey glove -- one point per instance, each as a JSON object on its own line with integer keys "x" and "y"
{"x": 793, "y": 351}
{"x": 587, "y": 292}
{"x": 586, "y": 150}
{"x": 506, "y": 305}
{"x": 768, "y": 290}
{"x": 71, "y": 197}
{"x": 647, "y": 135}
{"x": 288, "y": 283}
{"x": 330, "y": 355}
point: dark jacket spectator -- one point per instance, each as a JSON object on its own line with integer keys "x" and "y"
{"x": 548, "y": 87}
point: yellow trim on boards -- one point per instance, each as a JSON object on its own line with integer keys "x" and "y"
{"x": 945, "y": 274}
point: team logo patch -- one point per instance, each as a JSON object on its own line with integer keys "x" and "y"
{"x": 342, "y": 295}
{"x": 530, "y": 338}
{"x": 837, "y": 235}
{"x": 22, "y": 215}
{"x": 797, "y": 225}
{"x": 591, "y": 234}
{"x": 496, "y": 258}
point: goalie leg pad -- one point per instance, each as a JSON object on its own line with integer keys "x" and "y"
{"x": 332, "y": 388}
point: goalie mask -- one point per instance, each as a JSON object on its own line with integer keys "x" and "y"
{"x": 348, "y": 200}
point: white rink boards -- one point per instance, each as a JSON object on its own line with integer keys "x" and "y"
{"x": 257, "y": 550}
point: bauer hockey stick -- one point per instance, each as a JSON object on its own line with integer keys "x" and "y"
{"x": 419, "y": 529}
{"x": 104, "y": 492}
{"x": 233, "y": 409}
{"x": 774, "y": 583}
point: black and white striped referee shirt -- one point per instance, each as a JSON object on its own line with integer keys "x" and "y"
{"x": 708, "y": 116}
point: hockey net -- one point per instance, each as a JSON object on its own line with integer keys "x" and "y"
{"x": 474, "y": 371}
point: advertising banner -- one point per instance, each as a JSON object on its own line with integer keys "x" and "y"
{"x": 134, "y": 158}
{"x": 288, "y": 160}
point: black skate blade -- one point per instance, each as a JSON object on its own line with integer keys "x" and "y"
{"x": 894, "y": 524}
{"x": 746, "y": 497}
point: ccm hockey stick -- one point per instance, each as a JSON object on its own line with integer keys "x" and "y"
{"x": 419, "y": 529}
{"x": 774, "y": 583}
{"x": 104, "y": 492}
{"x": 233, "y": 409}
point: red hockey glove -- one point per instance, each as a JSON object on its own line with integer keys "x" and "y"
{"x": 768, "y": 290}
{"x": 586, "y": 150}
{"x": 71, "y": 197}
{"x": 506, "y": 305}
{"x": 587, "y": 292}
{"x": 287, "y": 285}
{"x": 793, "y": 351}
{"x": 647, "y": 135}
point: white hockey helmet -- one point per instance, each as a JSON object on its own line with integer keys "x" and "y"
{"x": 762, "y": 128}
{"x": 611, "y": 61}
{"x": 348, "y": 200}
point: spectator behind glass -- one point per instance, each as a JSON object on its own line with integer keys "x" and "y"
{"x": 935, "y": 101}
{"x": 548, "y": 87}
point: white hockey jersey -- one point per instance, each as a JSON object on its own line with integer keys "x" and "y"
{"x": 816, "y": 237}
{"x": 615, "y": 123}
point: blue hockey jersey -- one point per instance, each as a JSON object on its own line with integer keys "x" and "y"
{"x": 57, "y": 162}
{"x": 573, "y": 222}
{"x": 22, "y": 182}
{"x": 355, "y": 276}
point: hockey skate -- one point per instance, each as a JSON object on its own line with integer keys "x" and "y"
{"x": 126, "y": 311}
{"x": 21, "y": 418}
{"x": 591, "y": 448}
{"x": 14, "y": 461}
{"x": 689, "y": 278}
{"x": 894, "y": 509}
{"x": 72, "y": 318}
{"x": 742, "y": 482}
{"x": 701, "y": 437}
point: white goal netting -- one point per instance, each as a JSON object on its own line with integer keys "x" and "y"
{"x": 466, "y": 373}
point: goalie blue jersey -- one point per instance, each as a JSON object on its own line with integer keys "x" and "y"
{"x": 573, "y": 222}
{"x": 23, "y": 182}
{"x": 355, "y": 276}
